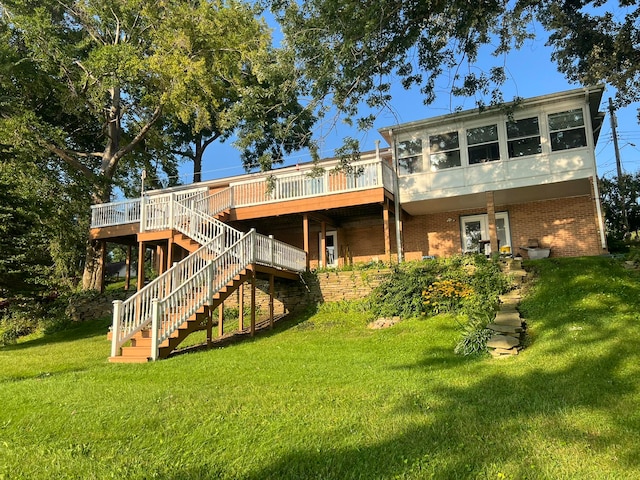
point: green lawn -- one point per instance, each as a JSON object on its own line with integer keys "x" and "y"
{"x": 322, "y": 397}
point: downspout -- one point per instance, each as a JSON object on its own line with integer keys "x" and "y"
{"x": 396, "y": 196}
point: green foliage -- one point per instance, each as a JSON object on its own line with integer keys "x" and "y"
{"x": 621, "y": 205}
{"x": 459, "y": 284}
{"x": 475, "y": 336}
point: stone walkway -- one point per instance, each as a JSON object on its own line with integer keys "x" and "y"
{"x": 508, "y": 327}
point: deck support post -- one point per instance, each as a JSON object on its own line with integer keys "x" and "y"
{"x": 271, "y": 289}
{"x": 209, "y": 327}
{"x": 221, "y": 320}
{"x": 305, "y": 234}
{"x": 253, "y": 301}
{"x": 141, "y": 251}
{"x": 127, "y": 274}
{"x": 241, "y": 307}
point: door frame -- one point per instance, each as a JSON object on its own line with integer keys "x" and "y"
{"x": 334, "y": 235}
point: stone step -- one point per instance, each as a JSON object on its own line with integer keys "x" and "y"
{"x": 504, "y": 352}
{"x": 502, "y": 341}
{"x": 508, "y": 318}
{"x": 505, "y": 328}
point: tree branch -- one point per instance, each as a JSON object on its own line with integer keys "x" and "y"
{"x": 113, "y": 162}
{"x": 72, "y": 162}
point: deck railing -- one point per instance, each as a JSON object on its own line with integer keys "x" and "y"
{"x": 361, "y": 175}
{"x": 115, "y": 213}
{"x": 168, "y": 301}
{"x": 154, "y": 212}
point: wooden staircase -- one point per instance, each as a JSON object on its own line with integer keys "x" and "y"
{"x": 140, "y": 349}
{"x": 186, "y": 242}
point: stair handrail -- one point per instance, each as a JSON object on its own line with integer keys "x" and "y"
{"x": 199, "y": 289}
{"x": 215, "y": 202}
{"x": 134, "y": 314}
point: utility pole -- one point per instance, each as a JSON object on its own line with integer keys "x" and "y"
{"x": 623, "y": 200}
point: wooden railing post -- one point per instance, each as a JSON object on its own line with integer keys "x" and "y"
{"x": 172, "y": 197}
{"x": 252, "y": 249}
{"x": 272, "y": 248}
{"x": 143, "y": 214}
{"x": 115, "y": 328}
{"x": 155, "y": 328}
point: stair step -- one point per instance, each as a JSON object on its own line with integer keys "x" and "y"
{"x": 128, "y": 359}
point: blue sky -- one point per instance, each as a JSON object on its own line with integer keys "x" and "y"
{"x": 530, "y": 73}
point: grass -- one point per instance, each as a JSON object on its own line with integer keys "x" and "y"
{"x": 323, "y": 397}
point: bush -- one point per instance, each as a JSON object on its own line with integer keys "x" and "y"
{"x": 475, "y": 336}
{"x": 459, "y": 284}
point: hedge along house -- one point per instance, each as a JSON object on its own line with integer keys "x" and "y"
{"x": 468, "y": 182}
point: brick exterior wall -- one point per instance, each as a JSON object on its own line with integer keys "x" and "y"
{"x": 292, "y": 296}
{"x": 566, "y": 225}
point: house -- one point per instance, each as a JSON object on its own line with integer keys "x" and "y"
{"x": 498, "y": 180}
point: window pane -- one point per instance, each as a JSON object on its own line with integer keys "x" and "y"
{"x": 524, "y": 146}
{"x": 446, "y": 141}
{"x": 409, "y": 165}
{"x": 568, "y": 139}
{"x": 443, "y": 160}
{"x": 482, "y": 134}
{"x": 526, "y": 127}
{"x": 564, "y": 120}
{"x": 409, "y": 148}
{"x": 484, "y": 153}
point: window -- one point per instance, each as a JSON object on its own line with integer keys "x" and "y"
{"x": 445, "y": 151}
{"x": 410, "y": 157}
{"x": 523, "y": 137}
{"x": 567, "y": 130}
{"x": 483, "y": 144}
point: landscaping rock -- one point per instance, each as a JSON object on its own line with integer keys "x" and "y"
{"x": 504, "y": 328}
{"x": 503, "y": 353}
{"x": 502, "y": 341}
{"x": 508, "y": 318}
{"x": 384, "y": 322}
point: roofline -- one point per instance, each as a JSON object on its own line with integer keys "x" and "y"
{"x": 593, "y": 94}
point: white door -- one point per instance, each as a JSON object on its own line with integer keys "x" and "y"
{"x": 475, "y": 232}
{"x": 331, "y": 247}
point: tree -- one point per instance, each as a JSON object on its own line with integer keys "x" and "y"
{"x": 109, "y": 69}
{"x": 619, "y": 197}
{"x": 596, "y": 42}
{"x": 350, "y": 52}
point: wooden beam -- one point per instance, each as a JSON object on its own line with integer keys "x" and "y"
{"x": 253, "y": 302}
{"x": 141, "y": 251}
{"x": 127, "y": 274}
{"x": 271, "y": 289}
{"x": 241, "y": 307}
{"x": 209, "y": 327}
{"x": 319, "y": 217}
{"x": 305, "y": 233}
{"x": 220, "y": 320}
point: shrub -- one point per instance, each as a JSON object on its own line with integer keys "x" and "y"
{"x": 475, "y": 335}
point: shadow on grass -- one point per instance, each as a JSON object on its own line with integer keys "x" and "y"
{"x": 70, "y": 332}
{"x": 262, "y": 330}
{"x": 559, "y": 419}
